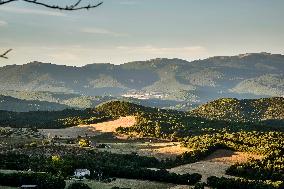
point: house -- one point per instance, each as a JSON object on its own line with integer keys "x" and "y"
{"x": 93, "y": 144}
{"x": 29, "y": 187}
{"x": 81, "y": 173}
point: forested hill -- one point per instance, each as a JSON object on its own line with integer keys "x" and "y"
{"x": 18, "y": 105}
{"x": 250, "y": 75}
{"x": 249, "y": 110}
{"x": 222, "y": 113}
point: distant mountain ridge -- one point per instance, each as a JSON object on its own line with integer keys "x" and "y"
{"x": 250, "y": 75}
{"x": 17, "y": 105}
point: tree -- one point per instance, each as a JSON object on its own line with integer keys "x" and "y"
{"x": 84, "y": 143}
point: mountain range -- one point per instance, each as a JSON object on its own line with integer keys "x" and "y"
{"x": 251, "y": 75}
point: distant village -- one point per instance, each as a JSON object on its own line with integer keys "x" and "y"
{"x": 145, "y": 95}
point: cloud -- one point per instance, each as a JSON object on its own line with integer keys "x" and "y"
{"x": 78, "y": 55}
{"x": 128, "y": 2}
{"x": 3, "y": 23}
{"x": 102, "y": 31}
{"x": 65, "y": 56}
{"x": 149, "y": 49}
{"x": 31, "y": 11}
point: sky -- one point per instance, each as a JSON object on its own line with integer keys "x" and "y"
{"x": 121, "y": 31}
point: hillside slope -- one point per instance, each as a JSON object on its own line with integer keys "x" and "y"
{"x": 249, "y": 110}
{"x": 17, "y": 105}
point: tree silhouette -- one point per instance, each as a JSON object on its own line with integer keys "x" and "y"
{"x": 69, "y": 7}
{"x": 5, "y": 53}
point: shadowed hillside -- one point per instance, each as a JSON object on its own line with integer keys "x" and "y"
{"x": 17, "y": 105}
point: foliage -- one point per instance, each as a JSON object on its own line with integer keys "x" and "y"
{"x": 106, "y": 164}
{"x": 161, "y": 175}
{"x": 78, "y": 185}
{"x": 199, "y": 185}
{"x": 248, "y": 110}
{"x": 42, "y": 180}
{"x": 51, "y": 119}
{"x": 84, "y": 143}
{"x": 229, "y": 183}
{"x": 271, "y": 167}
{"x": 266, "y": 143}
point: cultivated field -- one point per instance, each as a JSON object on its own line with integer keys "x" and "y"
{"x": 215, "y": 164}
{"x": 230, "y": 157}
{"x": 90, "y": 130}
{"x": 160, "y": 150}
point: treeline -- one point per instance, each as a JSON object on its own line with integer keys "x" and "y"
{"x": 42, "y": 180}
{"x": 122, "y": 108}
{"x": 257, "y": 142}
{"x": 109, "y": 165}
{"x": 51, "y": 119}
{"x": 66, "y": 164}
{"x": 229, "y": 183}
{"x": 148, "y": 174}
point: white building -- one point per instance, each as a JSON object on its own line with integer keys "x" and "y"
{"x": 79, "y": 173}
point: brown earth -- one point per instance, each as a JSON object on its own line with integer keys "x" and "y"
{"x": 215, "y": 164}
{"x": 90, "y": 130}
{"x": 230, "y": 157}
{"x": 160, "y": 150}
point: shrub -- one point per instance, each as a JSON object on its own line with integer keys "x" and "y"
{"x": 229, "y": 183}
{"x": 42, "y": 180}
{"x": 78, "y": 185}
{"x": 199, "y": 185}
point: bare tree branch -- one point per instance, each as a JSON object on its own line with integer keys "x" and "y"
{"x": 5, "y": 53}
{"x": 73, "y": 7}
{"x": 7, "y": 1}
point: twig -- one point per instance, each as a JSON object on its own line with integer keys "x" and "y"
{"x": 73, "y": 7}
{"x": 5, "y": 53}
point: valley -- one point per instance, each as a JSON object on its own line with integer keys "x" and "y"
{"x": 126, "y": 141}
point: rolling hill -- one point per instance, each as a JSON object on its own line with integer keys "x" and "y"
{"x": 247, "y": 110}
{"x": 251, "y": 75}
{"x": 218, "y": 114}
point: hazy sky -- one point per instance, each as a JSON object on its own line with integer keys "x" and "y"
{"x": 125, "y": 30}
